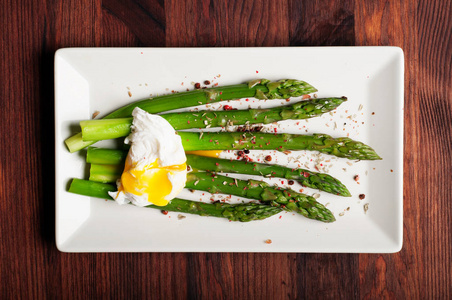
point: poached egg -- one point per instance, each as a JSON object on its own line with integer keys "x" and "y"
{"x": 155, "y": 170}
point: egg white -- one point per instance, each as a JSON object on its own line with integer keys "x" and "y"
{"x": 154, "y": 142}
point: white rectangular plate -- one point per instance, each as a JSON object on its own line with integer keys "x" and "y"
{"x": 89, "y": 80}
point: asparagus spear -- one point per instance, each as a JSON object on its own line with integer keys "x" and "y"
{"x": 104, "y": 156}
{"x": 305, "y": 177}
{"x": 341, "y": 147}
{"x": 105, "y": 173}
{"x": 235, "y": 212}
{"x": 324, "y": 182}
{"x": 91, "y": 188}
{"x": 261, "y": 89}
{"x": 115, "y": 128}
{"x": 285, "y": 198}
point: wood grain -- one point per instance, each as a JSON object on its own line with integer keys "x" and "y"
{"x": 384, "y": 276}
{"x": 32, "y": 31}
{"x": 145, "y": 19}
{"x": 223, "y": 23}
{"x": 435, "y": 91}
{"x": 322, "y": 23}
{"x": 423, "y": 31}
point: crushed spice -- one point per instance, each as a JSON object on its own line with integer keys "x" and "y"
{"x": 95, "y": 114}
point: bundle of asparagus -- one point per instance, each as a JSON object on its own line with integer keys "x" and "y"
{"x": 107, "y": 164}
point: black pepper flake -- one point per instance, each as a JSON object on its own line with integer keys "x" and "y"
{"x": 246, "y": 151}
{"x": 362, "y": 196}
{"x": 206, "y": 82}
{"x": 197, "y": 85}
{"x": 290, "y": 182}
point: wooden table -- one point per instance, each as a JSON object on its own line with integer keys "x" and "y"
{"x": 31, "y": 266}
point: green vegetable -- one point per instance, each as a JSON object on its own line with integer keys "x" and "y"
{"x": 105, "y": 156}
{"x": 306, "y": 178}
{"x": 91, "y": 188}
{"x": 262, "y": 89}
{"x": 243, "y": 212}
{"x": 105, "y": 173}
{"x": 93, "y": 130}
{"x": 285, "y": 198}
{"x": 254, "y": 189}
{"x": 341, "y": 147}
{"x": 235, "y": 212}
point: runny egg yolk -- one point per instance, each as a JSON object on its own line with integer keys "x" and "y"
{"x": 208, "y": 153}
{"x": 152, "y": 180}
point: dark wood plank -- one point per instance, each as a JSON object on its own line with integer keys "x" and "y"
{"x": 30, "y": 265}
{"x": 119, "y": 35}
{"x": 64, "y": 28}
{"x": 20, "y": 195}
{"x": 203, "y": 23}
{"x": 241, "y": 276}
{"x": 435, "y": 98}
{"x": 327, "y": 276}
{"x": 423, "y": 31}
{"x": 144, "y": 19}
{"x": 321, "y": 23}
{"x": 386, "y": 275}
{"x": 233, "y": 23}
{"x": 324, "y": 23}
